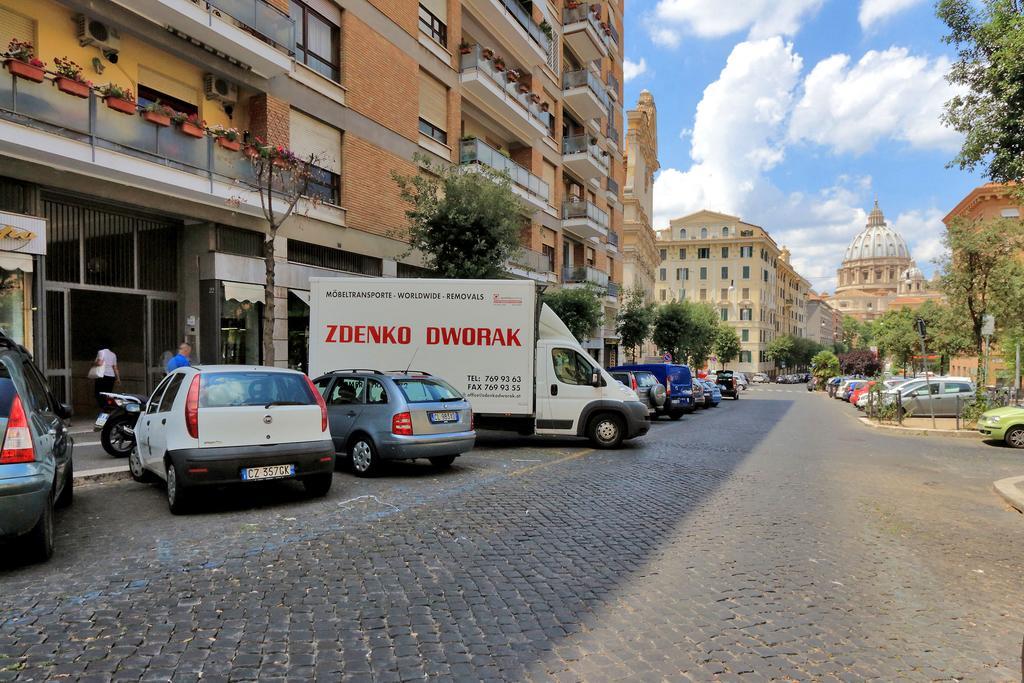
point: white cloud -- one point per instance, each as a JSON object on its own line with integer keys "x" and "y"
{"x": 889, "y": 94}
{"x": 923, "y": 231}
{"x": 705, "y": 19}
{"x": 631, "y": 70}
{"x": 874, "y": 11}
{"x": 685, "y": 133}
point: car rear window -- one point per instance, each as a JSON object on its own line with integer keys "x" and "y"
{"x": 645, "y": 379}
{"x": 427, "y": 390}
{"x": 7, "y": 391}
{"x": 236, "y": 389}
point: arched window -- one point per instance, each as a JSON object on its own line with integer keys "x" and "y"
{"x": 682, "y": 234}
{"x": 703, "y": 233}
{"x": 725, "y": 231}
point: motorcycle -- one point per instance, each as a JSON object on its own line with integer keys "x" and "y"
{"x": 116, "y": 423}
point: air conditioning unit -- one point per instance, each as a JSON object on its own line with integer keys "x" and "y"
{"x": 93, "y": 32}
{"x": 221, "y": 89}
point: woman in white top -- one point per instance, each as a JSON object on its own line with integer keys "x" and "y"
{"x": 107, "y": 360}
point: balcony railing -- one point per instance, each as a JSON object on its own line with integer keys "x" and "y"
{"x": 577, "y": 79}
{"x": 584, "y": 274}
{"x": 578, "y": 144}
{"x": 475, "y": 60}
{"x": 612, "y": 133}
{"x": 583, "y": 13}
{"x": 613, "y": 238}
{"x": 613, "y": 33}
{"x": 614, "y": 289}
{"x": 525, "y": 19}
{"x": 611, "y": 185}
{"x": 89, "y": 120}
{"x": 592, "y": 212}
{"x": 533, "y": 260}
{"x": 263, "y": 18}
{"x": 477, "y": 151}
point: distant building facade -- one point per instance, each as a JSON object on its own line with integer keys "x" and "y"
{"x": 639, "y": 249}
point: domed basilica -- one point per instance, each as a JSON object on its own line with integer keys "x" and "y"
{"x": 878, "y": 274}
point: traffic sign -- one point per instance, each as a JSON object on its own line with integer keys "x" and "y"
{"x": 667, "y": 357}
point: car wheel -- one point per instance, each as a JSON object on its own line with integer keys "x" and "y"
{"x": 676, "y": 414}
{"x": 443, "y": 462}
{"x": 736, "y": 396}
{"x": 365, "y": 462}
{"x": 318, "y": 485}
{"x": 116, "y": 441}
{"x": 39, "y": 541}
{"x": 1015, "y": 437}
{"x": 135, "y": 468}
{"x": 605, "y": 430}
{"x": 178, "y": 497}
{"x": 68, "y": 492}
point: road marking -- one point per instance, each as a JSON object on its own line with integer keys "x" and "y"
{"x": 88, "y": 443}
{"x": 574, "y": 456}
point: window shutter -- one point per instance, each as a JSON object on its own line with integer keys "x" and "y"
{"x": 308, "y": 136}
{"x": 548, "y": 172}
{"x": 14, "y": 25}
{"x": 439, "y": 8}
{"x": 168, "y": 86}
{"x": 325, "y": 8}
{"x": 433, "y": 101}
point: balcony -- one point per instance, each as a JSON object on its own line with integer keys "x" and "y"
{"x": 534, "y": 191}
{"x": 614, "y": 289}
{"x": 42, "y": 125}
{"x": 611, "y": 191}
{"x": 585, "y": 220}
{"x": 533, "y": 265}
{"x": 584, "y": 93}
{"x": 612, "y": 133}
{"x": 252, "y": 32}
{"x": 613, "y": 240}
{"x": 582, "y": 156}
{"x": 584, "y": 275}
{"x": 613, "y": 37}
{"x": 613, "y": 86}
{"x": 582, "y": 30}
{"x": 513, "y": 26}
{"x": 489, "y": 89}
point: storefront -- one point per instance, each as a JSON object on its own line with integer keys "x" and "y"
{"x": 22, "y": 242}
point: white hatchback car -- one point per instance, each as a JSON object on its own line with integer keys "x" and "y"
{"x": 229, "y": 424}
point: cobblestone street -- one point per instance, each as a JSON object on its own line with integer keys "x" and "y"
{"x": 771, "y": 538}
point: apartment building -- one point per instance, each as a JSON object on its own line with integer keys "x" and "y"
{"x": 737, "y": 268}
{"x": 145, "y": 233}
{"x": 639, "y": 240}
{"x": 824, "y": 324}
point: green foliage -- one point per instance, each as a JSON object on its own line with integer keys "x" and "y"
{"x": 989, "y": 37}
{"x": 879, "y": 408}
{"x": 466, "y": 224}
{"x": 579, "y": 308}
{"x": 727, "y": 344}
{"x": 780, "y": 351}
{"x": 804, "y": 350}
{"x": 826, "y": 365}
{"x": 687, "y": 330}
{"x": 897, "y": 338}
{"x": 635, "y": 320}
{"x": 856, "y": 334}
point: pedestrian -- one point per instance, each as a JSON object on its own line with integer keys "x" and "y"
{"x": 106, "y": 374}
{"x": 181, "y": 360}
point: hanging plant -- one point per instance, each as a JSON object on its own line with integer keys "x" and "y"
{"x": 546, "y": 29}
{"x": 499, "y": 63}
{"x": 464, "y": 48}
{"x": 118, "y": 98}
{"x": 69, "y": 78}
{"x": 21, "y": 61}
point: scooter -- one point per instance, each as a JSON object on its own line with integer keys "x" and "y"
{"x": 116, "y": 424}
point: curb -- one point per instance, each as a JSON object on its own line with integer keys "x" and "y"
{"x": 1012, "y": 491}
{"x": 102, "y": 474}
{"x": 916, "y": 431}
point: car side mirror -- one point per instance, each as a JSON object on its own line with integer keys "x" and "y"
{"x": 595, "y": 379}
{"x": 64, "y": 411}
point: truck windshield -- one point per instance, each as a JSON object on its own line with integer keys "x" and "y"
{"x": 233, "y": 389}
{"x": 427, "y": 390}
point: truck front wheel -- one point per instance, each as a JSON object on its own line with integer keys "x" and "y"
{"x": 606, "y": 430}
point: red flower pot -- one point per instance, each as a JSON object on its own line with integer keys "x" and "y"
{"x": 233, "y": 145}
{"x": 72, "y": 87}
{"x": 123, "y": 106}
{"x": 158, "y": 119}
{"x": 25, "y": 70}
{"x": 192, "y": 129}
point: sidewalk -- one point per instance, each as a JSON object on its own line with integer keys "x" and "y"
{"x": 916, "y": 426}
{"x": 1012, "y": 491}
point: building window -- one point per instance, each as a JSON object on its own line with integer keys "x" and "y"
{"x": 679, "y": 273}
{"x": 764, "y": 274}
{"x": 724, "y": 292}
{"x": 431, "y": 25}
{"x": 682, "y": 234}
{"x": 725, "y": 231}
{"x": 325, "y": 185}
{"x": 703, "y": 233}
{"x": 724, "y": 313}
{"x": 314, "y": 139}
{"x": 704, "y": 252}
{"x": 745, "y": 334}
{"x": 432, "y": 131}
{"x": 240, "y": 242}
{"x": 664, "y": 254}
{"x": 703, "y": 295}
{"x": 318, "y": 41}
{"x": 663, "y": 274}
{"x": 746, "y": 252}
{"x": 333, "y": 259}
{"x": 662, "y": 294}
{"x": 746, "y": 272}
{"x": 433, "y": 108}
{"x": 745, "y": 356}
{"x": 686, "y": 273}
{"x": 725, "y": 250}
{"x": 725, "y": 272}
{"x": 703, "y": 273}
{"x": 746, "y": 314}
{"x": 682, "y": 254}
{"x": 746, "y": 293}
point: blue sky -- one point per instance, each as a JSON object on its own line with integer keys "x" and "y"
{"x": 795, "y": 114}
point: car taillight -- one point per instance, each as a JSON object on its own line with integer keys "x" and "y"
{"x": 401, "y": 424}
{"x": 668, "y": 385}
{"x": 632, "y": 382}
{"x": 18, "y": 439}
{"x": 320, "y": 402}
{"x": 472, "y": 421}
{"x": 192, "y": 408}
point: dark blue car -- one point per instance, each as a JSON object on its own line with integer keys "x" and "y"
{"x": 678, "y": 383}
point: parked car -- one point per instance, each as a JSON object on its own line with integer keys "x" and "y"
{"x": 728, "y": 385}
{"x": 1004, "y": 424}
{"x": 943, "y": 395}
{"x": 759, "y": 378}
{"x": 229, "y": 424}
{"x": 861, "y": 390}
{"x": 36, "y": 467}
{"x": 712, "y": 394}
{"x": 741, "y": 379}
{"x": 680, "y": 392}
{"x": 847, "y": 391}
{"x": 698, "y": 393}
{"x": 646, "y": 386}
{"x": 377, "y": 416}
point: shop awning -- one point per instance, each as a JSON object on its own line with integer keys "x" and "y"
{"x": 302, "y": 294}
{"x": 22, "y": 262}
{"x": 241, "y": 292}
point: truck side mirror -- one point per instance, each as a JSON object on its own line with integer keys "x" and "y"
{"x": 595, "y": 379}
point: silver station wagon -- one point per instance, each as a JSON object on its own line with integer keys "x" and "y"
{"x": 377, "y": 416}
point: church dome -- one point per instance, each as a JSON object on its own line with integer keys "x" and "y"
{"x": 877, "y": 240}
{"x": 912, "y": 273}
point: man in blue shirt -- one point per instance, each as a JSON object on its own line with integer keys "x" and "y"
{"x": 181, "y": 360}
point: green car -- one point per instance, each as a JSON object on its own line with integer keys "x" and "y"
{"x": 1004, "y": 424}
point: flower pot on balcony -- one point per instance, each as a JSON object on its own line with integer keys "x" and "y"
{"x": 523, "y": 88}
{"x": 158, "y": 119}
{"x": 233, "y": 145}
{"x": 487, "y": 53}
{"x": 73, "y": 87}
{"x": 251, "y": 152}
{"x": 281, "y": 163}
{"x": 25, "y": 70}
{"x": 192, "y": 129}
{"x": 123, "y": 106}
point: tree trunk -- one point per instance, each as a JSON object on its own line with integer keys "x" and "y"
{"x": 268, "y": 298}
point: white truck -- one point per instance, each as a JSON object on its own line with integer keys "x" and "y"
{"x": 493, "y": 340}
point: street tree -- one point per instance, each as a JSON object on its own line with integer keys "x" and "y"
{"x": 579, "y": 308}
{"x": 856, "y": 333}
{"x": 670, "y": 328}
{"x": 826, "y": 365}
{"x": 804, "y": 350}
{"x": 897, "y": 338}
{"x": 635, "y": 320}
{"x": 859, "y": 362}
{"x": 780, "y": 351}
{"x": 466, "y": 223}
{"x": 989, "y": 70}
{"x": 727, "y": 344}
{"x": 687, "y": 330}
{"x": 704, "y": 326}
